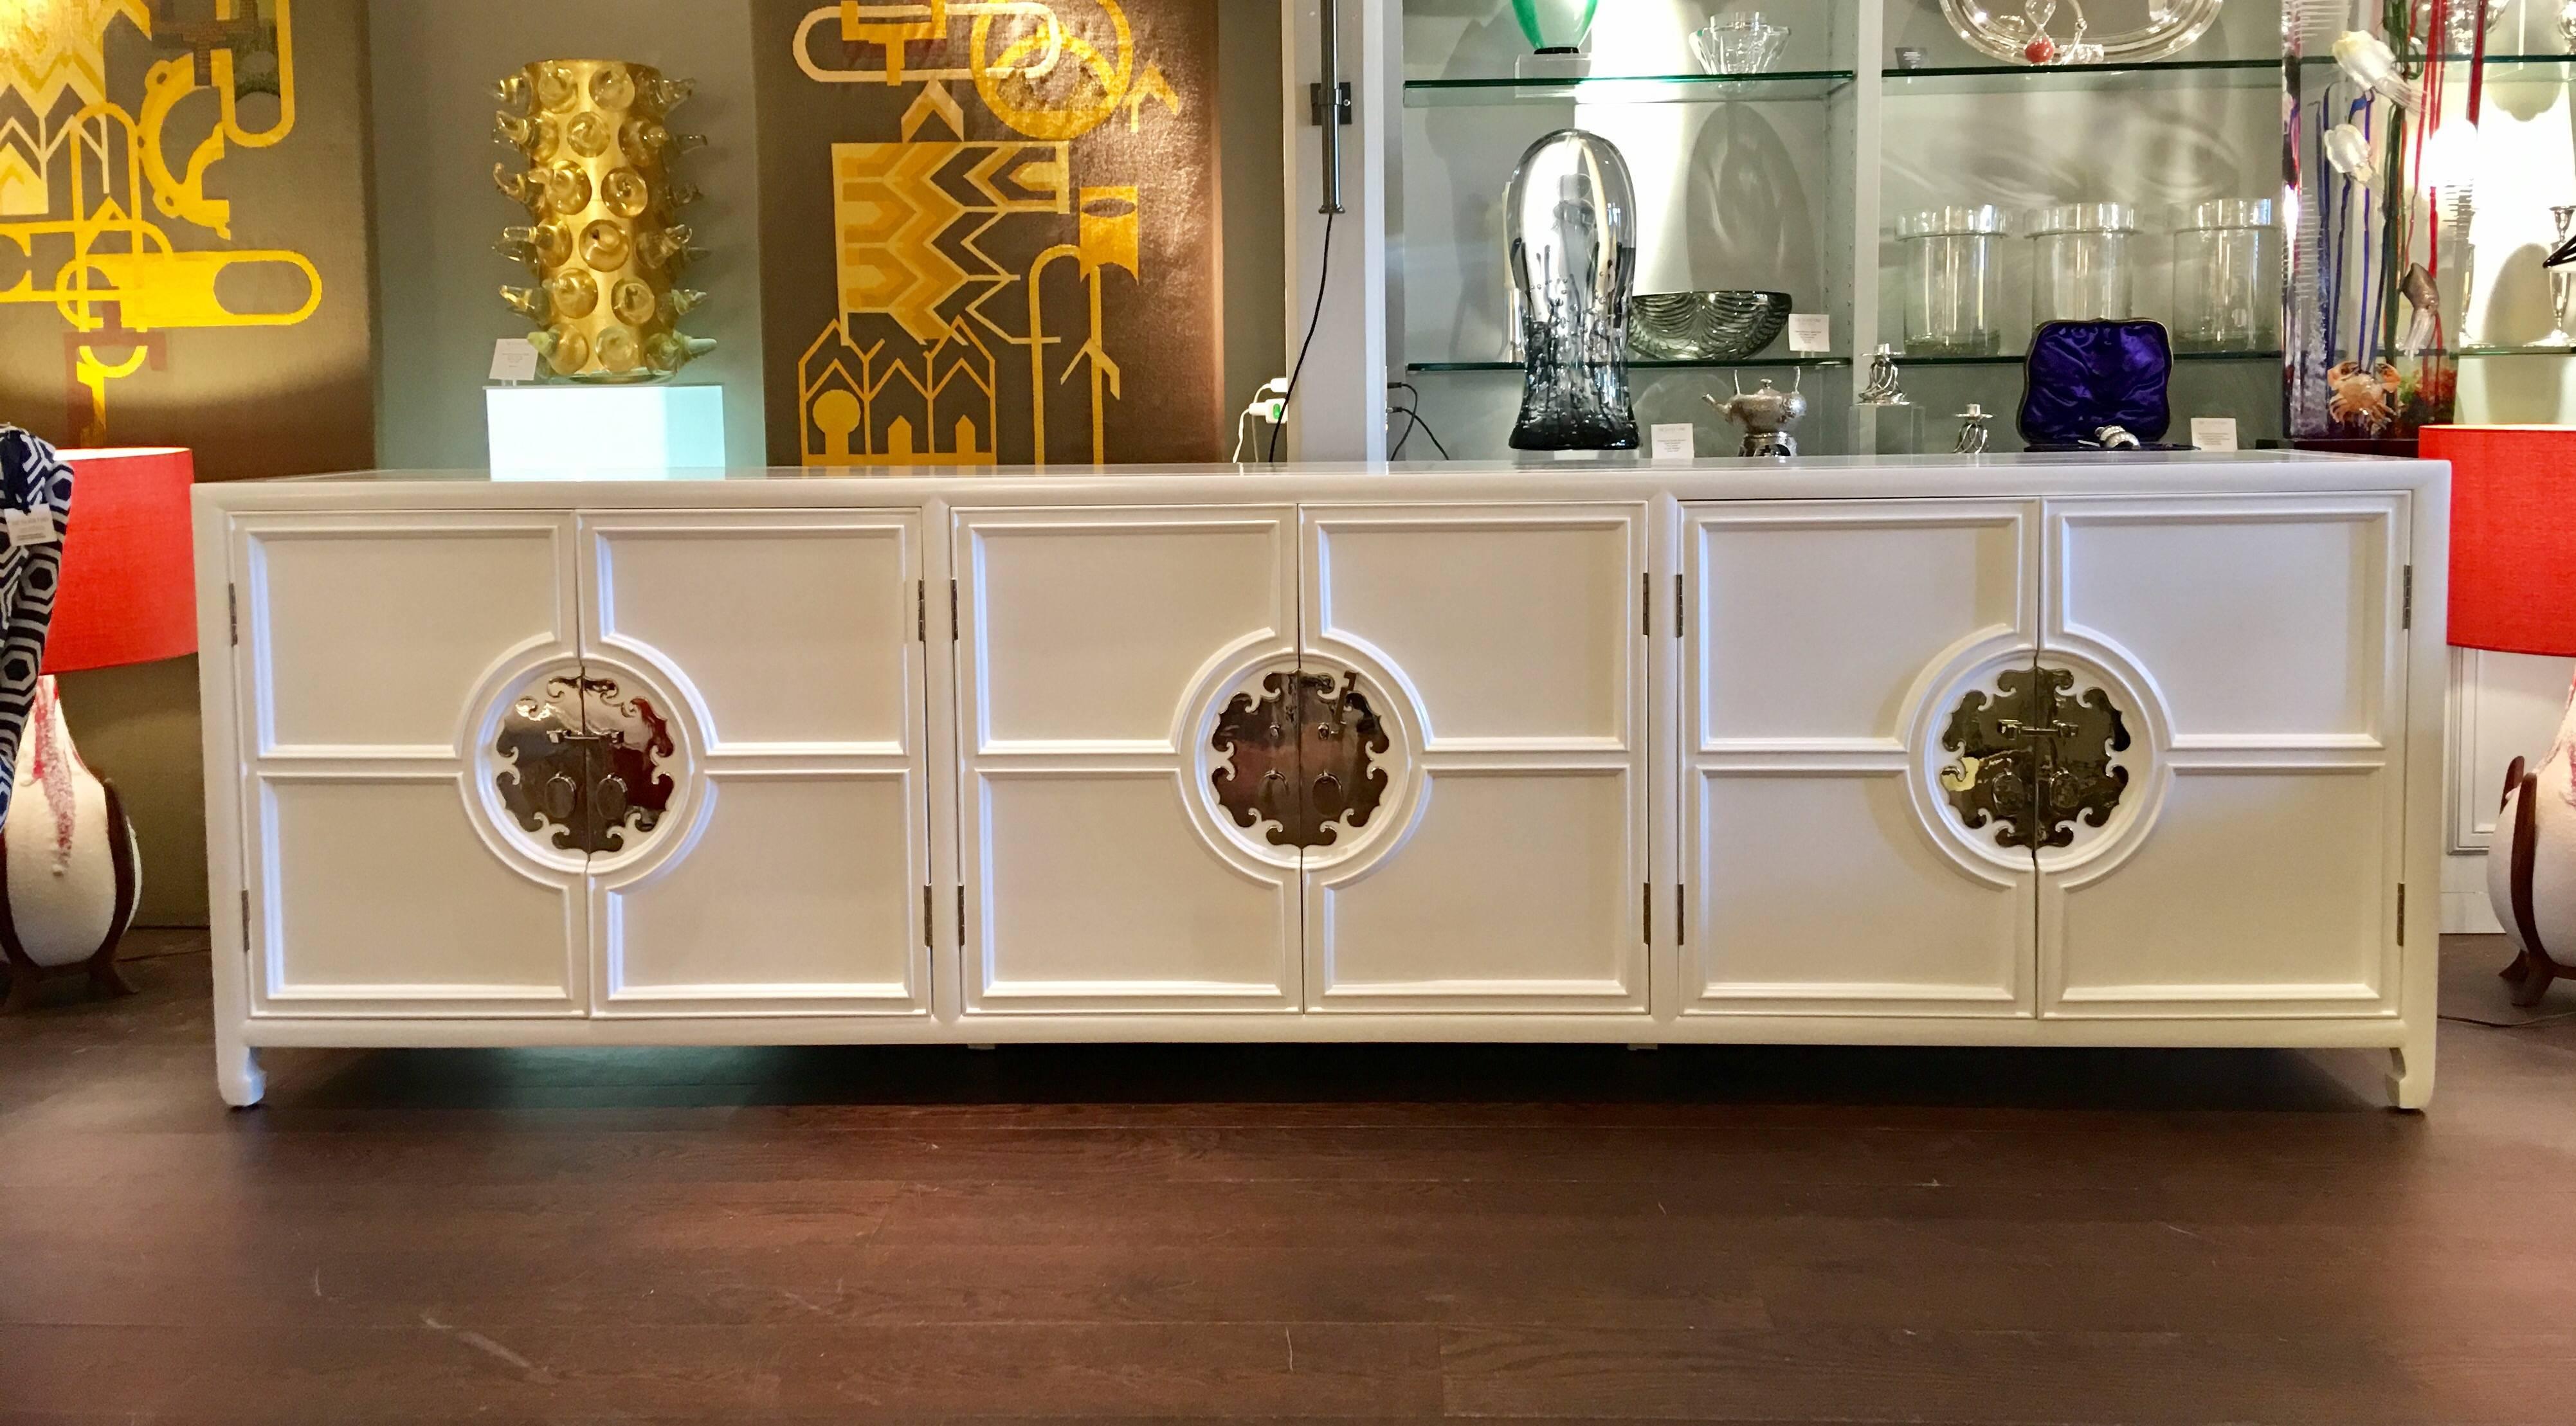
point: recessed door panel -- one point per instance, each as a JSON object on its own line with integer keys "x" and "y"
{"x": 1091, "y": 628}
{"x": 1816, "y": 624}
{"x": 2253, "y": 643}
{"x": 1097, "y": 649}
{"x": 385, "y": 897}
{"x": 798, "y": 896}
{"x": 1508, "y": 629}
{"x": 1825, "y": 871}
{"x": 2258, "y": 620}
{"x": 1503, "y": 866}
{"x": 1099, "y": 890}
{"x": 791, "y": 631}
{"x": 783, "y": 651}
{"x": 378, "y": 655}
{"x": 1512, "y": 884}
{"x": 373, "y": 635}
{"x": 1818, "y": 889}
{"x": 2255, "y": 887}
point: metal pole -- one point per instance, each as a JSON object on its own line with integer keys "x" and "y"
{"x": 1331, "y": 108}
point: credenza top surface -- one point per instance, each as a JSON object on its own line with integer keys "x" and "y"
{"x": 2014, "y": 476}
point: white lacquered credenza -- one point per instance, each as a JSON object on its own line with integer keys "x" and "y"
{"x": 2007, "y": 751}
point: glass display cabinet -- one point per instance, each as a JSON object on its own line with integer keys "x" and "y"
{"x": 1829, "y": 175}
{"x": 1901, "y": 170}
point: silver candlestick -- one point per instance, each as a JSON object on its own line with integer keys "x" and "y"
{"x": 2562, "y": 281}
{"x": 1973, "y": 430}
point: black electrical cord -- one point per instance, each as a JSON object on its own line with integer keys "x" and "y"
{"x": 2550, "y": 1019}
{"x": 1413, "y": 415}
{"x": 1323, "y": 284}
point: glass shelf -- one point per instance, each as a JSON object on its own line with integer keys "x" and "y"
{"x": 2493, "y": 61}
{"x": 1782, "y": 85}
{"x": 2484, "y": 353}
{"x": 1646, "y": 364}
{"x": 2502, "y": 70}
{"x": 2067, "y": 78}
{"x": 2015, "y": 359}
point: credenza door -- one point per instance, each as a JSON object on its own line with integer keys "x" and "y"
{"x": 783, "y": 652}
{"x": 1097, "y": 649}
{"x": 374, "y": 655}
{"x": 1503, "y": 865}
{"x": 1825, "y": 646}
{"x": 2254, "y": 646}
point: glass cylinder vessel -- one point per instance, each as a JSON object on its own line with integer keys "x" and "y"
{"x": 2227, "y": 278}
{"x": 2081, "y": 266}
{"x": 1953, "y": 280}
{"x": 1571, "y": 224}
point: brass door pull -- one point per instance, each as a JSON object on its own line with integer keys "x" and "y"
{"x": 2034, "y": 760}
{"x": 1308, "y": 783}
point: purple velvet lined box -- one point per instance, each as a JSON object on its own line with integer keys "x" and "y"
{"x": 2082, "y": 376}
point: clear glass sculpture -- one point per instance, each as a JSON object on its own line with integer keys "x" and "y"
{"x": 1555, "y": 26}
{"x": 1571, "y": 223}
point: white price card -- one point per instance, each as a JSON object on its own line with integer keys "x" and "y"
{"x": 2214, "y": 433}
{"x": 1811, "y": 332}
{"x": 29, "y": 528}
{"x": 1676, "y": 440}
{"x": 513, "y": 360}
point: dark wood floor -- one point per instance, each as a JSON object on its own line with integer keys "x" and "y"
{"x": 1738, "y": 1235}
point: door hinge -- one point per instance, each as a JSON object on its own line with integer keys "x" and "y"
{"x": 925, "y": 915}
{"x": 1645, "y": 606}
{"x": 245, "y": 920}
{"x": 952, "y": 611}
{"x": 921, "y": 610}
{"x": 1647, "y": 898}
{"x": 2406, "y": 611}
{"x": 2401, "y": 913}
{"x": 961, "y": 915}
{"x": 232, "y": 609}
{"x": 1681, "y": 607}
{"x": 1681, "y": 914}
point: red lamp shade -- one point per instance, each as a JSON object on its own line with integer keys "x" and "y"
{"x": 2513, "y": 536}
{"x": 129, "y": 590}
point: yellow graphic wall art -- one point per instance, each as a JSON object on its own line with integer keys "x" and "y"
{"x": 109, "y": 206}
{"x": 989, "y": 231}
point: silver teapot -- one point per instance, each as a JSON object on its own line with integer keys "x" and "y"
{"x": 1766, "y": 413}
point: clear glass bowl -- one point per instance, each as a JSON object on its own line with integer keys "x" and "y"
{"x": 1738, "y": 44}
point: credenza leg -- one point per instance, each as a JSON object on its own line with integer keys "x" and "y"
{"x": 237, "y": 1073}
{"x": 2410, "y": 1079}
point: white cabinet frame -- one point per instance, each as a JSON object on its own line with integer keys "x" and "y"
{"x": 1262, "y": 613}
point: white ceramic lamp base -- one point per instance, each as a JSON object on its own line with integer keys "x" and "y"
{"x": 2531, "y": 871}
{"x": 71, "y": 866}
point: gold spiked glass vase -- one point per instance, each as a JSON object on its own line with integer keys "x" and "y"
{"x": 603, "y": 239}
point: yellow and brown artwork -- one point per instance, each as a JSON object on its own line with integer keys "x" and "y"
{"x": 109, "y": 176}
{"x": 989, "y": 231}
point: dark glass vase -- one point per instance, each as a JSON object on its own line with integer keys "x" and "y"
{"x": 1571, "y": 216}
